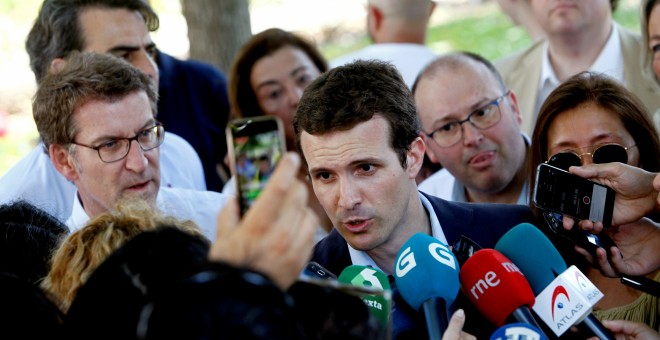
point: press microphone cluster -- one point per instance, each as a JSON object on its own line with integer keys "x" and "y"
{"x": 498, "y": 289}
{"x": 564, "y": 296}
{"x": 426, "y": 274}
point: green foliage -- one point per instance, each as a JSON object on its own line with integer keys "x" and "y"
{"x": 487, "y": 32}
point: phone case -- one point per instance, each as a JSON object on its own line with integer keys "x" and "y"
{"x": 255, "y": 146}
{"x": 562, "y": 192}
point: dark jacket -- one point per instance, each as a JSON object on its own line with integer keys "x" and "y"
{"x": 483, "y": 223}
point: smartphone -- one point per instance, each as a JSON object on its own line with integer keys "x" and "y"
{"x": 255, "y": 146}
{"x": 314, "y": 270}
{"x": 562, "y": 192}
{"x": 582, "y": 238}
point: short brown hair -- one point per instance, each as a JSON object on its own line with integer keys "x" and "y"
{"x": 84, "y": 77}
{"x": 242, "y": 98}
{"x": 353, "y": 93}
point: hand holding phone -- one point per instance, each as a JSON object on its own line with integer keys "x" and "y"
{"x": 255, "y": 146}
{"x": 562, "y": 192}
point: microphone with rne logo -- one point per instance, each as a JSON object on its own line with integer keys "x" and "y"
{"x": 497, "y": 288}
{"x": 426, "y": 274}
{"x": 564, "y": 296}
{"x": 518, "y": 331}
{"x": 363, "y": 276}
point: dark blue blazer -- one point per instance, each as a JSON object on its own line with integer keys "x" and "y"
{"x": 193, "y": 104}
{"x": 483, "y": 223}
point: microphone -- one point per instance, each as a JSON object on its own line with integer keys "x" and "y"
{"x": 564, "y": 296}
{"x": 368, "y": 277}
{"x": 518, "y": 331}
{"x": 426, "y": 274}
{"x": 497, "y": 288}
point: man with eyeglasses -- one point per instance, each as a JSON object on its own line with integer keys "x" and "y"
{"x": 471, "y": 125}
{"x": 96, "y": 117}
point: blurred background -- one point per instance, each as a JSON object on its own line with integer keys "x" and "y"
{"x": 337, "y": 27}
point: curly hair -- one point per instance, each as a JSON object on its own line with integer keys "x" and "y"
{"x": 85, "y": 249}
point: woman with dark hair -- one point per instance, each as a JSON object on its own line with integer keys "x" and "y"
{"x": 593, "y": 119}
{"x": 268, "y": 77}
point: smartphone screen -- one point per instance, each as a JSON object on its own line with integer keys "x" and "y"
{"x": 255, "y": 144}
{"x": 562, "y": 192}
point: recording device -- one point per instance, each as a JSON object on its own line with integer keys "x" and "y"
{"x": 314, "y": 270}
{"x": 518, "y": 331}
{"x": 255, "y": 146}
{"x": 426, "y": 273}
{"x": 380, "y": 305}
{"x": 586, "y": 240}
{"x": 561, "y": 299}
{"x": 464, "y": 248}
{"x": 562, "y": 192}
{"x": 497, "y": 288}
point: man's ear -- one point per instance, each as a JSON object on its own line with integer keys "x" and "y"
{"x": 63, "y": 161}
{"x": 429, "y": 152}
{"x": 513, "y": 100}
{"x": 56, "y": 65}
{"x": 415, "y": 156}
{"x": 374, "y": 19}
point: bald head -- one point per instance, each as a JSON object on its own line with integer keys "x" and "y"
{"x": 399, "y": 21}
{"x": 458, "y": 62}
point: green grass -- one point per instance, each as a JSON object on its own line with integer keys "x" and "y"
{"x": 485, "y": 31}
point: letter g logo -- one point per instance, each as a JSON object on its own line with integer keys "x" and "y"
{"x": 405, "y": 263}
{"x": 441, "y": 253}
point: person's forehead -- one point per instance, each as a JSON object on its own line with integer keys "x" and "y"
{"x": 105, "y": 28}
{"x": 124, "y": 115}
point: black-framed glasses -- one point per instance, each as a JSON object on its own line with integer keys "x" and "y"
{"x": 481, "y": 118}
{"x": 605, "y": 153}
{"x": 116, "y": 149}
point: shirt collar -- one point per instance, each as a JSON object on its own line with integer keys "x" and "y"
{"x": 361, "y": 258}
{"x": 609, "y": 62}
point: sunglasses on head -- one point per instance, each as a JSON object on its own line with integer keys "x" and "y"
{"x": 606, "y": 153}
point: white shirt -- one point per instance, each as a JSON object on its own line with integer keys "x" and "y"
{"x": 35, "y": 179}
{"x": 609, "y": 62}
{"x": 444, "y": 185}
{"x": 361, "y": 258}
{"x": 409, "y": 59}
{"x": 201, "y": 207}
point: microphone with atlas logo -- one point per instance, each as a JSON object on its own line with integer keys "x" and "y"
{"x": 564, "y": 296}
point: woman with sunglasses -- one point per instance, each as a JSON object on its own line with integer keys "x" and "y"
{"x": 592, "y": 119}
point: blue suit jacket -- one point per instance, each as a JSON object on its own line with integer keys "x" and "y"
{"x": 193, "y": 104}
{"x": 483, "y": 223}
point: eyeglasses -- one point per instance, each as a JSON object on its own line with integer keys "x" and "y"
{"x": 481, "y": 118}
{"x": 116, "y": 149}
{"x": 606, "y": 153}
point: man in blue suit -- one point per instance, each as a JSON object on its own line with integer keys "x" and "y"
{"x": 357, "y": 129}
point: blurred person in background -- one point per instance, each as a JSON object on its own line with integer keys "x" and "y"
{"x": 397, "y": 29}
{"x": 580, "y": 36}
{"x": 268, "y": 77}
